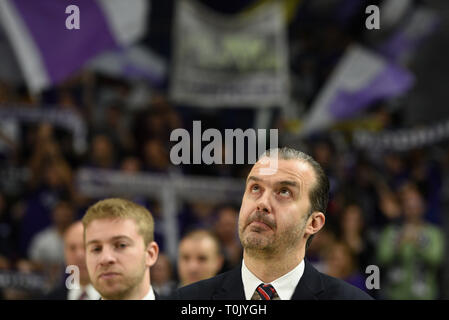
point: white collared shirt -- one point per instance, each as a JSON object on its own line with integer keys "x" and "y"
{"x": 92, "y": 294}
{"x": 285, "y": 286}
{"x": 150, "y": 295}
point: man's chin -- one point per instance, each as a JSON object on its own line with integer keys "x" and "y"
{"x": 109, "y": 290}
{"x": 256, "y": 242}
{"x": 111, "y": 294}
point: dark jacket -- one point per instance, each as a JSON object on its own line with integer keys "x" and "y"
{"x": 313, "y": 285}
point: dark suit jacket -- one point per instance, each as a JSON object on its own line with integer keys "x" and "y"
{"x": 58, "y": 293}
{"x": 313, "y": 285}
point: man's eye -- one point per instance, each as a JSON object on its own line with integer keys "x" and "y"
{"x": 285, "y": 192}
{"x": 95, "y": 249}
{"x": 255, "y": 188}
{"x": 121, "y": 245}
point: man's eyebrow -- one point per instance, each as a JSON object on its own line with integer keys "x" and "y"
{"x": 120, "y": 238}
{"x": 288, "y": 183}
{"x": 92, "y": 242}
{"x": 283, "y": 182}
{"x": 115, "y": 238}
{"x": 254, "y": 178}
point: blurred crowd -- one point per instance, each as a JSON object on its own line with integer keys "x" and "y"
{"x": 386, "y": 209}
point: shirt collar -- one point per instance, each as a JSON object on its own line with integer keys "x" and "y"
{"x": 285, "y": 285}
{"x": 150, "y": 295}
{"x": 92, "y": 294}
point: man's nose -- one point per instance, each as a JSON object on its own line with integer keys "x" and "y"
{"x": 264, "y": 202}
{"x": 107, "y": 256}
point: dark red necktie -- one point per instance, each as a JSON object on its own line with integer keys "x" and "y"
{"x": 266, "y": 292}
{"x": 83, "y": 296}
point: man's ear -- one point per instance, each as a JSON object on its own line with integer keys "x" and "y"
{"x": 152, "y": 253}
{"x": 315, "y": 223}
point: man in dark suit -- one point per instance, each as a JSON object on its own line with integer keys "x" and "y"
{"x": 282, "y": 208}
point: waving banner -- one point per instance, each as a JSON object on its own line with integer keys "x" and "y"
{"x": 48, "y": 52}
{"x": 222, "y": 60}
{"x": 360, "y": 78}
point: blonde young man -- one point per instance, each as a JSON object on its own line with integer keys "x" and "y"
{"x": 281, "y": 211}
{"x": 120, "y": 249}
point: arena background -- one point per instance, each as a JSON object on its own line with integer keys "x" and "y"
{"x": 94, "y": 119}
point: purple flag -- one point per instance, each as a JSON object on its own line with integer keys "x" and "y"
{"x": 360, "y": 78}
{"x": 49, "y": 52}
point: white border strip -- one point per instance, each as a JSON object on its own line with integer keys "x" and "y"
{"x": 24, "y": 47}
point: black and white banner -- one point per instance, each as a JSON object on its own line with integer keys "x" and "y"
{"x": 402, "y": 139}
{"x": 222, "y": 60}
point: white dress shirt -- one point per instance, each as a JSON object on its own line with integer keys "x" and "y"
{"x": 75, "y": 294}
{"x": 150, "y": 295}
{"x": 285, "y": 285}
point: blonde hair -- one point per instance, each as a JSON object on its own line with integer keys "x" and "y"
{"x": 116, "y": 208}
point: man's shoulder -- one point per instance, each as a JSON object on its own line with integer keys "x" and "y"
{"x": 337, "y": 289}
{"x": 202, "y": 290}
{"x": 58, "y": 293}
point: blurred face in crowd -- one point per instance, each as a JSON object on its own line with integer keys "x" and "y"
{"x": 63, "y": 216}
{"x": 131, "y": 165}
{"x": 412, "y": 204}
{"x": 102, "y": 151}
{"x": 161, "y": 271}
{"x": 226, "y": 224}
{"x": 117, "y": 259}
{"x": 74, "y": 250}
{"x": 274, "y": 216}
{"x": 322, "y": 154}
{"x": 352, "y": 219}
{"x": 339, "y": 260}
{"x": 155, "y": 155}
{"x": 199, "y": 258}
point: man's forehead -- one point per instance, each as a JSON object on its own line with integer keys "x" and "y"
{"x": 292, "y": 169}
{"x": 107, "y": 228}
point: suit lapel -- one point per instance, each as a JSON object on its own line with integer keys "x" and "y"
{"x": 310, "y": 284}
{"x": 232, "y": 286}
{"x": 308, "y": 288}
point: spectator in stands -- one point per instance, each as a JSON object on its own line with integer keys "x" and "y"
{"x": 103, "y": 152}
{"x": 155, "y": 156}
{"x": 389, "y": 205}
{"x": 411, "y": 252}
{"x": 225, "y": 228}
{"x": 356, "y": 236}
{"x": 341, "y": 263}
{"x": 46, "y": 250}
{"x": 131, "y": 164}
{"x": 51, "y": 181}
{"x": 47, "y": 246}
{"x": 316, "y": 252}
{"x": 199, "y": 257}
{"x": 162, "y": 276}
{"x": 74, "y": 253}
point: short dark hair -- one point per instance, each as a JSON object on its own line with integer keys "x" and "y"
{"x": 319, "y": 194}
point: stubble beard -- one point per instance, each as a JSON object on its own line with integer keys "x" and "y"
{"x": 260, "y": 245}
{"x": 128, "y": 284}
